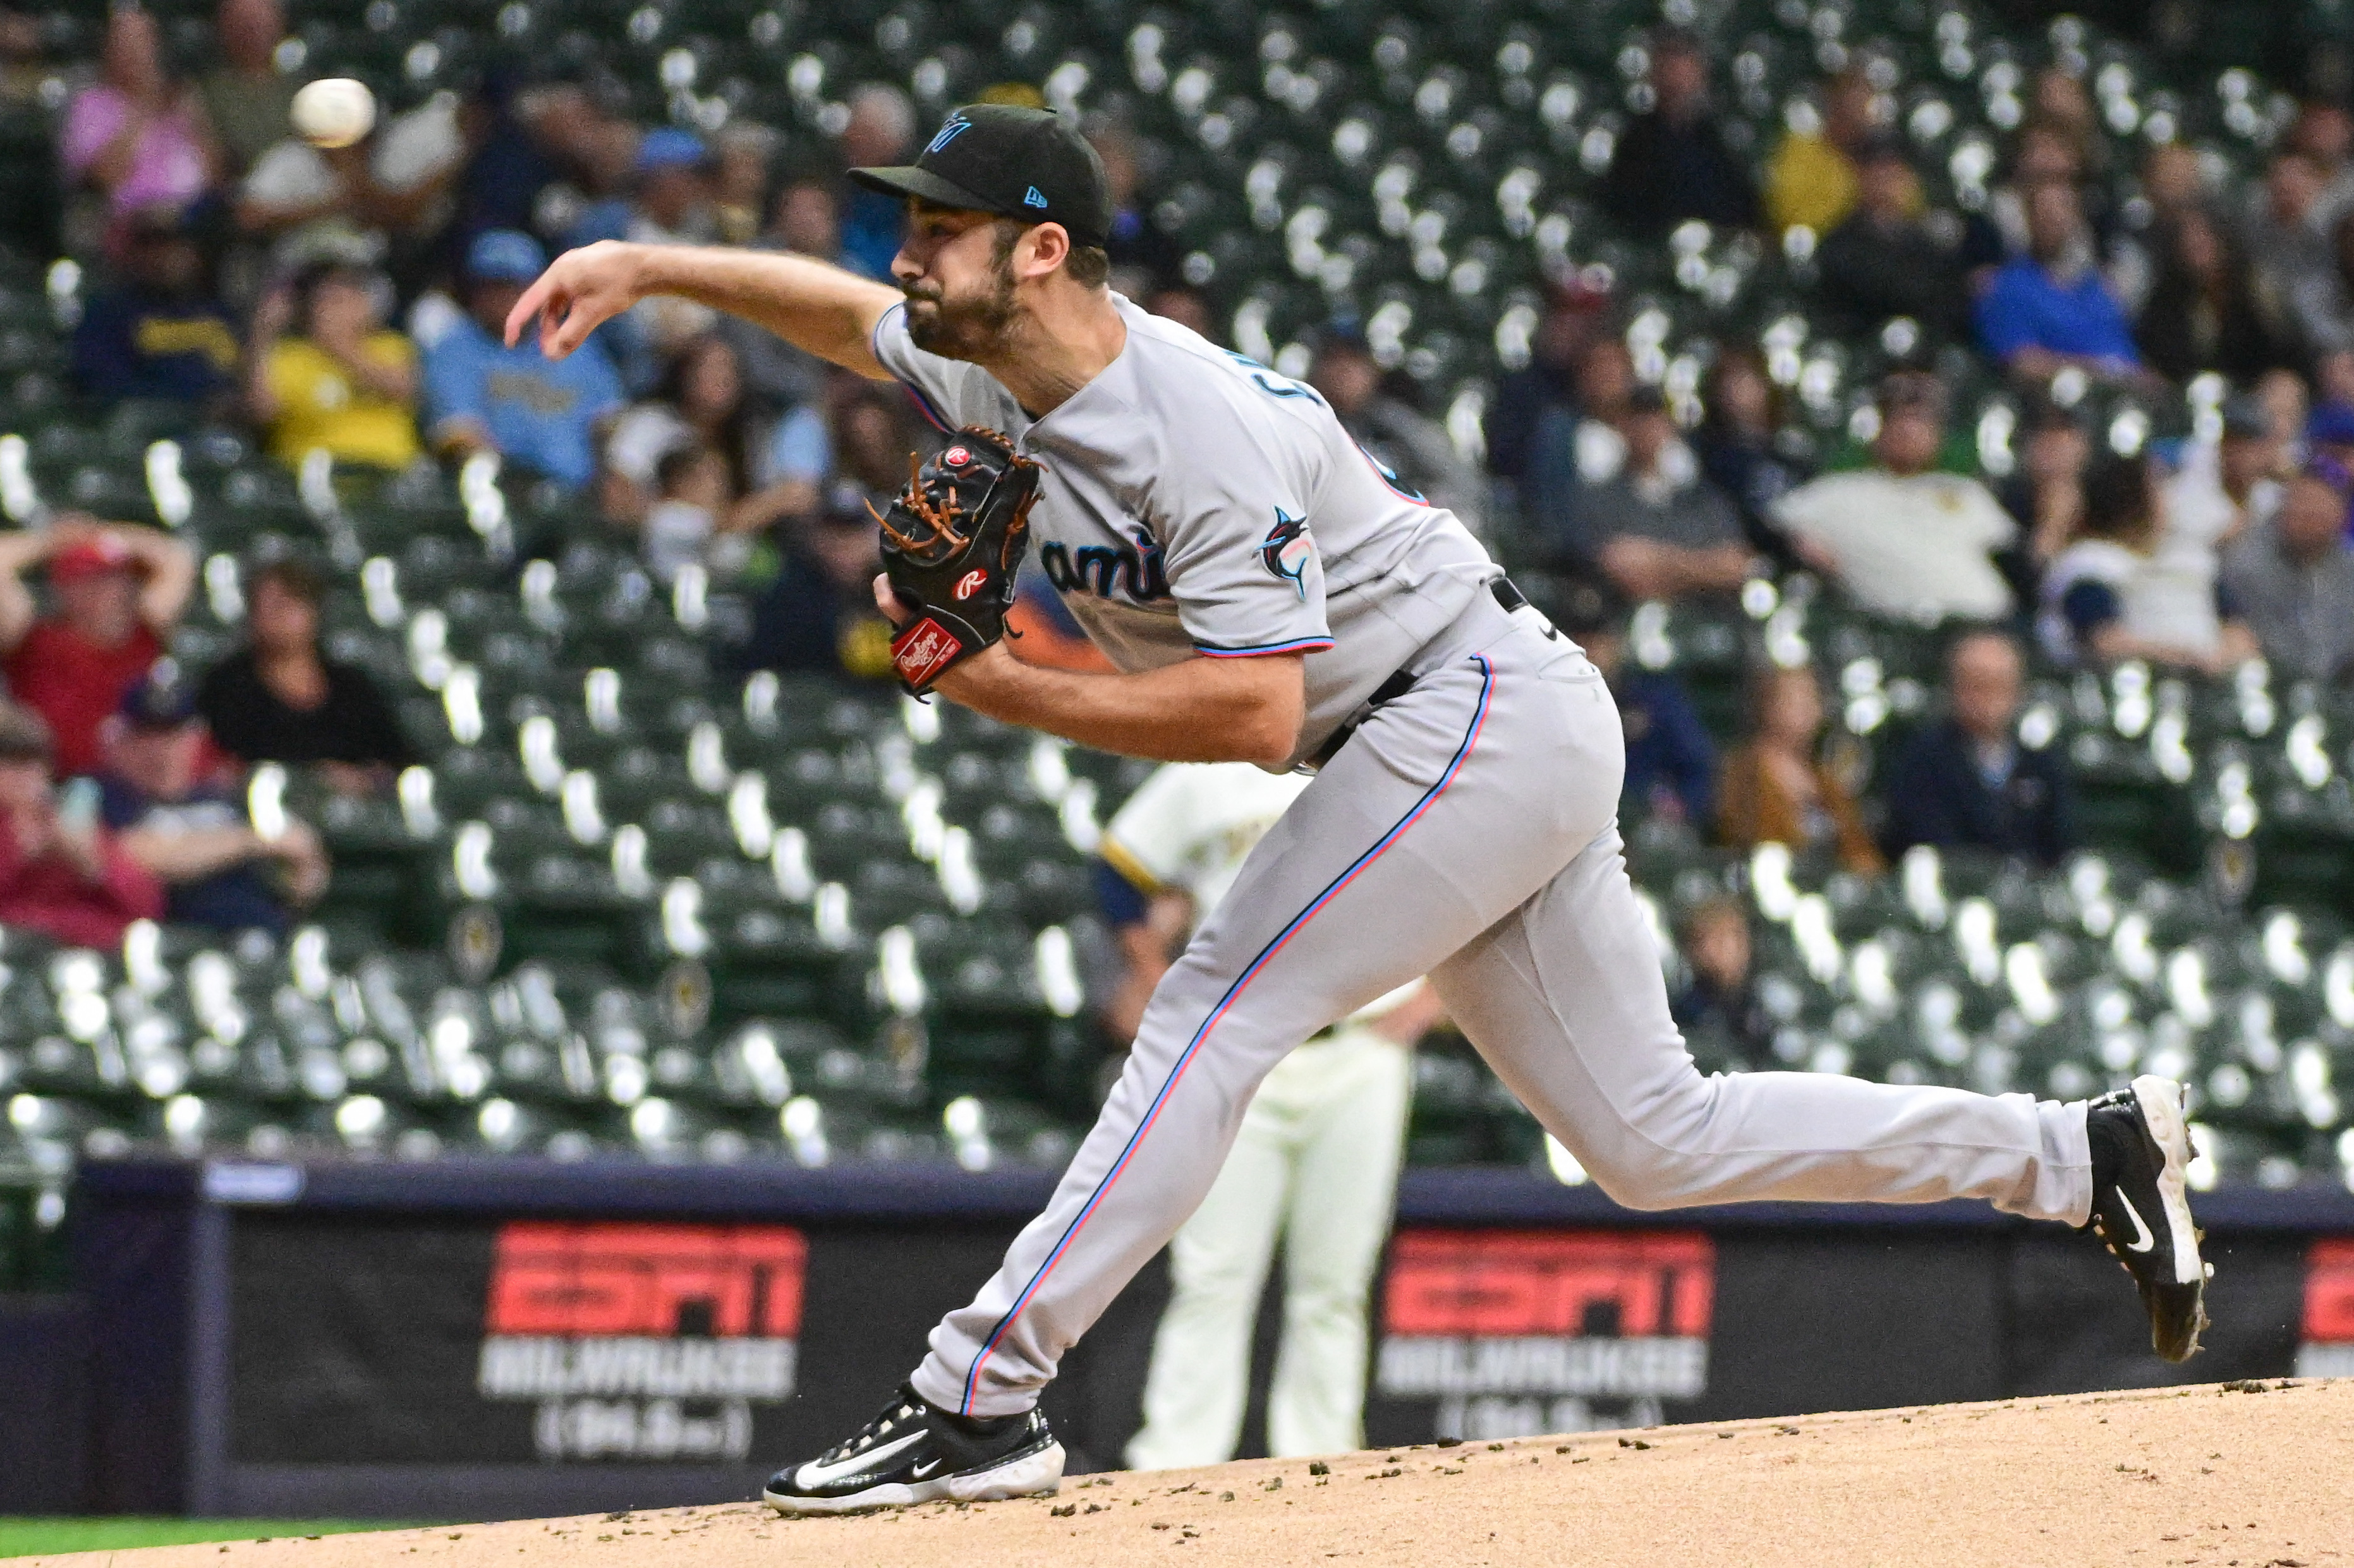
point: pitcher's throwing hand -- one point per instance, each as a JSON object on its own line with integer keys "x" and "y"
{"x": 581, "y": 292}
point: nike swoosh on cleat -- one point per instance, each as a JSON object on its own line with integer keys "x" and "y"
{"x": 814, "y": 1475}
{"x": 2141, "y": 1230}
{"x": 925, "y": 1469}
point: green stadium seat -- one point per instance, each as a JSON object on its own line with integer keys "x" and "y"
{"x": 594, "y": 768}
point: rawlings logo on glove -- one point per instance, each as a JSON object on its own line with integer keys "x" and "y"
{"x": 951, "y": 543}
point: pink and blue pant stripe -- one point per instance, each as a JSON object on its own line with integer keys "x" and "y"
{"x": 1226, "y": 1003}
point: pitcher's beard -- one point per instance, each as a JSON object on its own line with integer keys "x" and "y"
{"x": 961, "y": 329}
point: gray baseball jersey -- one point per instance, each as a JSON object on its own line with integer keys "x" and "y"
{"x": 1197, "y": 502}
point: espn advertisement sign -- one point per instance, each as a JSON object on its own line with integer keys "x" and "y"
{"x": 2326, "y": 1344}
{"x": 683, "y": 1346}
{"x": 1517, "y": 1332}
{"x": 642, "y": 1342}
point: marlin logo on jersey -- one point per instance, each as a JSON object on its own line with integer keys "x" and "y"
{"x": 1287, "y": 549}
{"x": 955, "y": 126}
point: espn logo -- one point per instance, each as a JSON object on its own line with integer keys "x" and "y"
{"x": 2327, "y": 1347}
{"x": 1612, "y": 1284}
{"x": 924, "y": 650}
{"x": 1502, "y": 1315}
{"x": 598, "y": 1279}
{"x": 642, "y": 1342}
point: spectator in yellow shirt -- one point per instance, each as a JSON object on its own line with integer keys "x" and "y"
{"x": 345, "y": 382}
{"x": 1811, "y": 177}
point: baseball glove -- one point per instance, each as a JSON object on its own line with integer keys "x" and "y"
{"x": 951, "y": 543}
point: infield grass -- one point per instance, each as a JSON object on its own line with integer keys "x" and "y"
{"x": 50, "y": 1537}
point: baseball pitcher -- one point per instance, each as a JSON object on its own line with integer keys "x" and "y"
{"x": 1269, "y": 595}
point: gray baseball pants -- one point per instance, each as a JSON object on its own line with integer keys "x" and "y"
{"x": 1466, "y": 832}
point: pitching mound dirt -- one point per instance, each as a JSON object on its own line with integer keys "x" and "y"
{"x": 2261, "y": 1475}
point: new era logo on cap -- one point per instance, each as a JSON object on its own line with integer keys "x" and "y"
{"x": 1032, "y": 198}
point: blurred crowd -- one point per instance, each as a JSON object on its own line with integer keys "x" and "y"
{"x": 353, "y": 300}
{"x": 2094, "y": 546}
{"x": 2070, "y": 277}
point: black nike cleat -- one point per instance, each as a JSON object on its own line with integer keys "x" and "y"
{"x": 916, "y": 1452}
{"x": 2141, "y": 1211}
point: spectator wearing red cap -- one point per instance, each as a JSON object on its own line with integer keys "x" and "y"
{"x": 61, "y": 873}
{"x": 115, "y": 593}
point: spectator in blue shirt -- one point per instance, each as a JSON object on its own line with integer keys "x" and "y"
{"x": 1670, "y": 762}
{"x": 480, "y": 396}
{"x": 2049, "y": 308}
{"x": 160, "y": 334}
{"x": 1137, "y": 243}
{"x": 1967, "y": 782}
{"x": 1724, "y": 1024}
{"x": 881, "y": 130}
{"x": 1548, "y": 385}
{"x": 191, "y": 830}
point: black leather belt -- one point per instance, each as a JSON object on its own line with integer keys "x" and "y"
{"x": 1401, "y": 680}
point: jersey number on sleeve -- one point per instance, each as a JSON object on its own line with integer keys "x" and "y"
{"x": 1273, "y": 384}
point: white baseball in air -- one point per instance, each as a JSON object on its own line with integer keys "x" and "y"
{"x": 333, "y": 112}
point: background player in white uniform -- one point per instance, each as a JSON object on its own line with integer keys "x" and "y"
{"x": 1315, "y": 1164}
{"x": 1260, "y": 585}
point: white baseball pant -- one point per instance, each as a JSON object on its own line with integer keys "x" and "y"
{"x": 1466, "y": 832}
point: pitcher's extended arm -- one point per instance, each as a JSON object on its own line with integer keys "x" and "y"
{"x": 810, "y": 303}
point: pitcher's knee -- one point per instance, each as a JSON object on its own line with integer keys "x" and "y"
{"x": 1657, "y": 1156}
{"x": 1626, "y": 1180}
{"x": 1645, "y": 1190}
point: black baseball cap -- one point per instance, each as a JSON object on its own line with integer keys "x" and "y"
{"x": 1026, "y": 164}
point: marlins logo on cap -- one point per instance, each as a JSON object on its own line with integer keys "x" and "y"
{"x": 1288, "y": 550}
{"x": 956, "y": 125}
